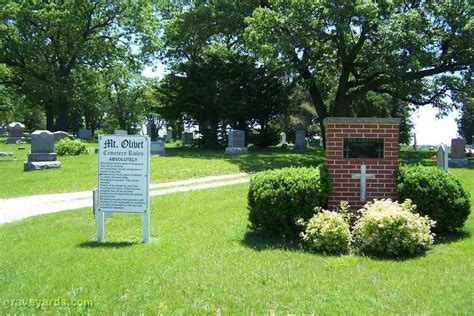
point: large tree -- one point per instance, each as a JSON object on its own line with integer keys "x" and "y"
{"x": 414, "y": 50}
{"x": 43, "y": 42}
{"x": 465, "y": 98}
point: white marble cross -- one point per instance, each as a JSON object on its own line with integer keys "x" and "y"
{"x": 363, "y": 176}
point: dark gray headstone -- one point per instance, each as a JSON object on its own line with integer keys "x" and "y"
{"x": 236, "y": 143}
{"x": 169, "y": 135}
{"x": 42, "y": 154}
{"x": 15, "y": 132}
{"x": 84, "y": 134}
{"x": 60, "y": 135}
{"x": 187, "y": 139}
{"x": 157, "y": 148}
{"x": 300, "y": 139}
{"x": 458, "y": 148}
{"x": 42, "y": 141}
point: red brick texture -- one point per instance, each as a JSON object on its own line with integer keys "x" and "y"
{"x": 341, "y": 169}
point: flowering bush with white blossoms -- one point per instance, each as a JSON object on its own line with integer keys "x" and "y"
{"x": 387, "y": 228}
{"x": 327, "y": 232}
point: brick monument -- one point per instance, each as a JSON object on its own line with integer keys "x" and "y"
{"x": 362, "y": 158}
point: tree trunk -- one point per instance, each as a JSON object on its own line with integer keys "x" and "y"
{"x": 49, "y": 120}
{"x": 62, "y": 122}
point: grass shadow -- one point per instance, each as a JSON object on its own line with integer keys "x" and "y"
{"x": 108, "y": 244}
{"x": 452, "y": 237}
{"x": 257, "y": 159}
{"x": 260, "y": 242}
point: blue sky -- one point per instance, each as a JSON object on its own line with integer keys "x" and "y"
{"x": 428, "y": 129}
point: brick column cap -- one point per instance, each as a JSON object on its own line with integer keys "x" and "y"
{"x": 361, "y": 120}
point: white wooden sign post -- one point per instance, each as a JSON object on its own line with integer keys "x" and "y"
{"x": 123, "y": 179}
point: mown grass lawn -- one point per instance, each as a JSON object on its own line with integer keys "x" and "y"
{"x": 203, "y": 260}
{"x": 79, "y": 173}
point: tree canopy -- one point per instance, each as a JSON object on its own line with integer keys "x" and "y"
{"x": 45, "y": 42}
{"x": 416, "y": 51}
{"x": 252, "y": 65}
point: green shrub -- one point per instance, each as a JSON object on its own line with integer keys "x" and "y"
{"x": 327, "y": 232}
{"x": 69, "y": 147}
{"x": 436, "y": 194}
{"x": 389, "y": 229}
{"x": 278, "y": 198}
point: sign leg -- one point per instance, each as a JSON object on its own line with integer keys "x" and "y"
{"x": 100, "y": 226}
{"x": 146, "y": 227}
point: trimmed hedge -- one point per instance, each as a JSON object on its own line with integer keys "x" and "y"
{"x": 435, "y": 193}
{"x": 278, "y": 198}
{"x": 69, "y": 147}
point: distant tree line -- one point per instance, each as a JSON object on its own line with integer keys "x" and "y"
{"x": 261, "y": 66}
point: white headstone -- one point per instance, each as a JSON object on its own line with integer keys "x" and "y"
{"x": 442, "y": 157}
{"x": 120, "y": 132}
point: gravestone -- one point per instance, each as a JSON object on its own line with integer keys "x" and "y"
{"x": 316, "y": 141}
{"x": 169, "y": 135}
{"x": 120, "y": 132}
{"x": 236, "y": 143}
{"x": 300, "y": 139}
{"x": 284, "y": 143}
{"x": 60, "y": 135}
{"x": 3, "y": 130}
{"x": 15, "y": 133}
{"x": 458, "y": 153}
{"x": 157, "y": 148}
{"x": 84, "y": 134}
{"x": 442, "y": 157}
{"x": 42, "y": 155}
{"x": 187, "y": 139}
{"x": 362, "y": 158}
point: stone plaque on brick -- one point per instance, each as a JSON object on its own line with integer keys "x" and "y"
{"x": 370, "y": 148}
{"x": 362, "y": 158}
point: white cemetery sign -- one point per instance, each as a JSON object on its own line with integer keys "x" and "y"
{"x": 363, "y": 176}
{"x": 123, "y": 179}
